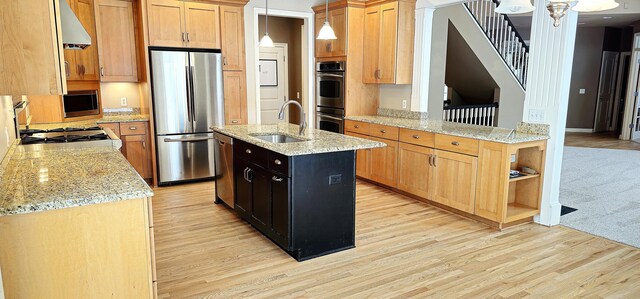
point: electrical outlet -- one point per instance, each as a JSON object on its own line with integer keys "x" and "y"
{"x": 513, "y": 158}
{"x": 536, "y": 115}
{"x": 123, "y": 102}
{"x": 404, "y": 104}
{"x": 582, "y": 91}
{"x": 335, "y": 179}
{"x": 298, "y": 95}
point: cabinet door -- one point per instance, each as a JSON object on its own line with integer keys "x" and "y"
{"x": 388, "y": 43}
{"x": 414, "y": 169}
{"x": 202, "y": 22}
{"x": 116, "y": 37}
{"x": 371, "y": 44}
{"x": 87, "y": 59}
{"x": 243, "y": 189}
{"x": 31, "y": 51}
{"x": 323, "y": 47}
{"x": 235, "y": 98}
{"x": 338, "y": 21}
{"x": 454, "y": 182}
{"x": 280, "y": 209}
{"x": 232, "y": 33}
{"x": 363, "y": 158}
{"x": 166, "y": 23}
{"x": 137, "y": 152}
{"x": 261, "y": 198}
{"x": 71, "y": 64}
{"x": 384, "y": 162}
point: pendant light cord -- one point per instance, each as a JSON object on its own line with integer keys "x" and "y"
{"x": 326, "y": 13}
{"x": 266, "y": 19}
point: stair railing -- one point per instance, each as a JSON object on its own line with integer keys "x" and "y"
{"x": 501, "y": 32}
{"x": 481, "y": 115}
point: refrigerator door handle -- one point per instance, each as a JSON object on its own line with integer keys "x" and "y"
{"x": 189, "y": 100}
{"x": 188, "y": 139}
{"x": 192, "y": 98}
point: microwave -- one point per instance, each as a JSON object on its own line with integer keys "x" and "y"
{"x": 81, "y": 103}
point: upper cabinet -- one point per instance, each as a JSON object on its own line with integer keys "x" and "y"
{"x": 174, "y": 23}
{"x": 30, "y": 52}
{"x": 388, "y": 43}
{"x": 232, "y": 28}
{"x": 333, "y": 48}
{"x": 116, "y": 37}
{"x": 82, "y": 65}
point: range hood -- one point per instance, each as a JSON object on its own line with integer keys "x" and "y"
{"x": 74, "y": 36}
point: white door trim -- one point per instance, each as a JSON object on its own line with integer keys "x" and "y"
{"x": 308, "y": 58}
{"x": 631, "y": 89}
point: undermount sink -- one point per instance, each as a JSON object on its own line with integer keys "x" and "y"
{"x": 278, "y": 138}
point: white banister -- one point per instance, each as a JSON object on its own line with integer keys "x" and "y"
{"x": 482, "y": 115}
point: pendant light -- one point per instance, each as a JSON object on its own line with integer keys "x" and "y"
{"x": 326, "y": 32}
{"x": 515, "y": 7}
{"x": 595, "y": 5}
{"x": 266, "y": 41}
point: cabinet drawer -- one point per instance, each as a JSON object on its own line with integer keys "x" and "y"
{"x": 133, "y": 128}
{"x": 417, "y": 137}
{"x": 356, "y": 127}
{"x": 383, "y": 131}
{"x": 457, "y": 144}
{"x": 279, "y": 163}
{"x": 114, "y": 127}
{"x": 250, "y": 152}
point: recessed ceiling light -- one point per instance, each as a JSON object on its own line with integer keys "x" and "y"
{"x": 606, "y": 18}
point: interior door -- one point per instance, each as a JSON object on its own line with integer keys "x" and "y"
{"x": 606, "y": 91}
{"x": 169, "y": 70}
{"x": 454, "y": 180}
{"x": 274, "y": 90}
{"x": 635, "y": 131}
{"x": 207, "y": 94}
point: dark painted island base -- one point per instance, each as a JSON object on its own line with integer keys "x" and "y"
{"x": 305, "y": 204}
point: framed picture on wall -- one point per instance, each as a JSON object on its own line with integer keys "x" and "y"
{"x": 268, "y": 72}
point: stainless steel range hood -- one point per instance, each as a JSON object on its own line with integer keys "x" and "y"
{"x": 74, "y": 36}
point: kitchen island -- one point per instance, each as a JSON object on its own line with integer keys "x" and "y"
{"x": 299, "y": 191}
{"x": 75, "y": 222}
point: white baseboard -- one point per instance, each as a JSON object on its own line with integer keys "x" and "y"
{"x": 578, "y": 130}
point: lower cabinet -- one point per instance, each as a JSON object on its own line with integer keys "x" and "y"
{"x": 454, "y": 180}
{"x": 415, "y": 169}
{"x": 384, "y": 162}
{"x": 135, "y": 144}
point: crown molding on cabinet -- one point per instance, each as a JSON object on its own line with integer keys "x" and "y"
{"x": 222, "y": 2}
{"x": 355, "y": 3}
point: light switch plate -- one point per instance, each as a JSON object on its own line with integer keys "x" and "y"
{"x": 582, "y": 91}
{"x": 536, "y": 115}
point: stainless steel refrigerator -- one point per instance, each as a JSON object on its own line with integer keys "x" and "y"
{"x": 188, "y": 99}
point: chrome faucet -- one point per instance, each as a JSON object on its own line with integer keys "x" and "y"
{"x": 303, "y": 116}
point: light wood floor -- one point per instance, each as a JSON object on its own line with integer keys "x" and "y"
{"x": 599, "y": 140}
{"x": 404, "y": 249}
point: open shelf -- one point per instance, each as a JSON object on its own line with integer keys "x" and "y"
{"x": 516, "y": 211}
{"x": 524, "y": 177}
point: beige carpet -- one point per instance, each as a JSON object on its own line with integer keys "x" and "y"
{"x": 604, "y": 185}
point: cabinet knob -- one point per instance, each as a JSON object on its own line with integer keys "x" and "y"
{"x": 357, "y": 126}
{"x": 455, "y": 143}
{"x": 248, "y": 151}
{"x": 415, "y": 137}
{"x": 383, "y": 131}
{"x": 277, "y": 162}
{"x": 235, "y": 121}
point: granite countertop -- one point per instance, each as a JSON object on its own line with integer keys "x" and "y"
{"x": 92, "y": 122}
{"x": 315, "y": 141}
{"x": 501, "y": 135}
{"x": 50, "y": 179}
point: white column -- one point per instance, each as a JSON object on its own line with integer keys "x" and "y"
{"x": 547, "y": 96}
{"x": 422, "y": 57}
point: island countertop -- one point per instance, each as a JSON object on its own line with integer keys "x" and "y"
{"x": 494, "y": 134}
{"x": 50, "y": 179}
{"x": 314, "y": 141}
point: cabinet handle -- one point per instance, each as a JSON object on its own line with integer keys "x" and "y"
{"x": 235, "y": 121}
{"x": 249, "y": 178}
{"x": 102, "y": 71}
{"x": 455, "y": 143}
{"x": 245, "y": 173}
{"x": 224, "y": 61}
{"x": 416, "y": 137}
{"x": 84, "y": 70}
{"x": 182, "y": 35}
{"x": 133, "y": 128}
{"x": 248, "y": 151}
{"x": 383, "y": 131}
{"x": 430, "y": 160}
{"x": 188, "y": 40}
{"x": 435, "y": 159}
{"x": 357, "y": 126}
{"x": 277, "y": 162}
{"x": 144, "y": 145}
{"x": 277, "y": 179}
{"x": 66, "y": 69}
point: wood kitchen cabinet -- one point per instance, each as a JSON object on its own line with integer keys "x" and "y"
{"x": 384, "y": 162}
{"x": 31, "y": 48}
{"x": 232, "y": 34}
{"x": 415, "y": 169}
{"x": 82, "y": 65}
{"x": 454, "y": 180}
{"x": 136, "y": 146}
{"x": 337, "y": 47}
{"x": 235, "y": 98}
{"x": 116, "y": 36}
{"x": 174, "y": 23}
{"x": 363, "y": 158}
{"x": 388, "y": 43}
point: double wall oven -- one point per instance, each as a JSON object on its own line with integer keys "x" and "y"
{"x": 330, "y": 92}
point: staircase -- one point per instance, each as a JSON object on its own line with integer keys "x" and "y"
{"x": 503, "y": 35}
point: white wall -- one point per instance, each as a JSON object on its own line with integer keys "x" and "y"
{"x": 7, "y": 126}
{"x": 391, "y": 96}
{"x": 110, "y": 94}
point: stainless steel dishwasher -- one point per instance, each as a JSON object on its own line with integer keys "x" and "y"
{"x": 223, "y": 150}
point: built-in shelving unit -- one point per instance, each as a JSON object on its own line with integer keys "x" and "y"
{"x": 524, "y": 191}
